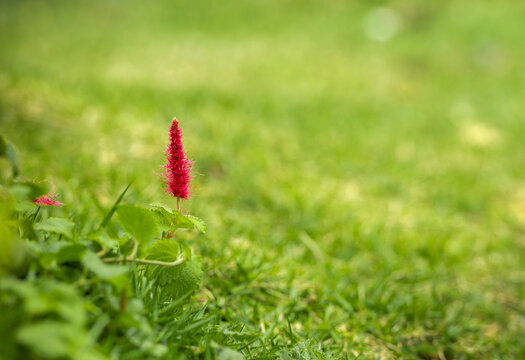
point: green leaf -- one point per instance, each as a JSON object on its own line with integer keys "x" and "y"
{"x": 13, "y": 252}
{"x": 183, "y": 221}
{"x": 165, "y": 250}
{"x": 51, "y": 338}
{"x": 104, "y": 240}
{"x": 169, "y": 219}
{"x": 163, "y": 216}
{"x": 3, "y": 145}
{"x": 100, "y": 268}
{"x": 25, "y": 206}
{"x": 70, "y": 253}
{"x": 198, "y": 224}
{"x": 178, "y": 280}
{"x": 47, "y": 297}
{"x": 8, "y": 151}
{"x": 57, "y": 225}
{"x": 26, "y": 190}
{"x": 225, "y": 353}
{"x": 13, "y": 159}
{"x": 137, "y": 221}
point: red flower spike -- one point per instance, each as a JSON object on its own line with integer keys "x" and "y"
{"x": 47, "y": 200}
{"x": 178, "y": 168}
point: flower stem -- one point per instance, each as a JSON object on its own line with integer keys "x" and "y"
{"x": 145, "y": 261}
{"x": 160, "y": 263}
{"x": 132, "y": 258}
{"x": 35, "y": 214}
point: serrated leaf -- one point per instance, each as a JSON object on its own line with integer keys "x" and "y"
{"x": 163, "y": 216}
{"x": 100, "y": 268}
{"x": 182, "y": 221}
{"x": 165, "y": 250}
{"x": 56, "y": 225}
{"x": 162, "y": 207}
{"x": 198, "y": 224}
{"x": 137, "y": 221}
{"x": 169, "y": 219}
{"x": 178, "y": 280}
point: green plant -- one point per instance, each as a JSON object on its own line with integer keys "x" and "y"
{"x": 64, "y": 286}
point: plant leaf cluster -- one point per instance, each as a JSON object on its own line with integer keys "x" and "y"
{"x": 82, "y": 293}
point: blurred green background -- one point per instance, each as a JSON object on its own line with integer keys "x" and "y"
{"x": 367, "y": 155}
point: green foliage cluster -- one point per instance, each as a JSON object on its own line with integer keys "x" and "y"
{"x": 70, "y": 292}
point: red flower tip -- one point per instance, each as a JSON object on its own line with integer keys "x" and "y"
{"x": 178, "y": 168}
{"x": 47, "y": 200}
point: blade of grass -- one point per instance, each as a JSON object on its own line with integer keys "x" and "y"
{"x": 114, "y": 207}
{"x": 176, "y": 303}
{"x": 197, "y": 324}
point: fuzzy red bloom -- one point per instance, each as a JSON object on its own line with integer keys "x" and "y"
{"x": 178, "y": 167}
{"x": 47, "y": 200}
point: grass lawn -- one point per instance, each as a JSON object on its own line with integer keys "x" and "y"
{"x": 361, "y": 169}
